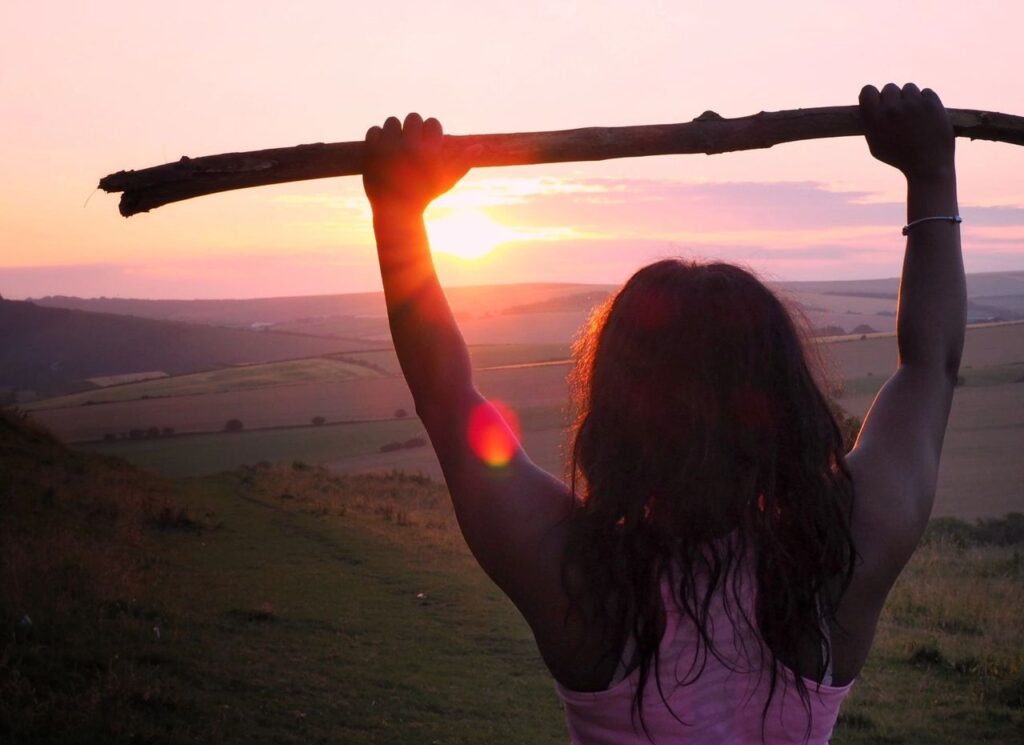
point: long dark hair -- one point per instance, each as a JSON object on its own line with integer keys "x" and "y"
{"x": 699, "y": 417}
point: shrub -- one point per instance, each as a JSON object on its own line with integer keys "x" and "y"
{"x": 926, "y": 654}
{"x": 401, "y": 413}
{"x": 136, "y": 434}
{"x": 994, "y": 531}
{"x": 1001, "y": 531}
{"x": 855, "y": 720}
{"x": 169, "y": 518}
{"x": 1012, "y": 694}
{"x": 951, "y": 530}
{"x": 167, "y": 431}
{"x": 319, "y": 421}
{"x": 153, "y": 432}
{"x": 233, "y": 425}
{"x": 415, "y": 442}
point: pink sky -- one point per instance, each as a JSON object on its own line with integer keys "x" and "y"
{"x": 95, "y": 88}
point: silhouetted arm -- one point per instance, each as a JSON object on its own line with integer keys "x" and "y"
{"x": 510, "y": 511}
{"x": 896, "y": 459}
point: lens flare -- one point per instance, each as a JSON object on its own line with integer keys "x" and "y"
{"x": 494, "y": 433}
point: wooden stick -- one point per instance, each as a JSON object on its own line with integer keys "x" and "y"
{"x": 709, "y": 133}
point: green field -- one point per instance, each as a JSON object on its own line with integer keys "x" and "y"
{"x": 325, "y": 369}
{"x": 482, "y": 355}
{"x": 209, "y": 453}
{"x": 238, "y": 378}
{"x": 289, "y": 604}
{"x": 979, "y": 473}
{"x": 201, "y": 454}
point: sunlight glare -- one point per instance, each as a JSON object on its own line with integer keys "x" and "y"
{"x": 468, "y": 234}
{"x": 493, "y": 433}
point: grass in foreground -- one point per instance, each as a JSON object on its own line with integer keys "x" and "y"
{"x": 287, "y": 604}
{"x": 259, "y": 615}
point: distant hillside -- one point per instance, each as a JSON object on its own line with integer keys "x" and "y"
{"x": 53, "y": 345}
{"x": 278, "y": 310}
{"x": 48, "y": 351}
{"x": 979, "y": 285}
{"x": 992, "y": 296}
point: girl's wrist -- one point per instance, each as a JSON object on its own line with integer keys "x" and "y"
{"x": 938, "y": 176}
{"x": 396, "y": 211}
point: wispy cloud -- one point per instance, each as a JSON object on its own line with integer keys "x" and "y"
{"x": 561, "y": 229}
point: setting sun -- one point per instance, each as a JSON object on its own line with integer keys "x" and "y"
{"x": 468, "y": 234}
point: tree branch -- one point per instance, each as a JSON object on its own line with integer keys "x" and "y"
{"x": 709, "y": 133}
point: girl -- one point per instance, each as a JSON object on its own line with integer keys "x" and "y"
{"x": 715, "y": 569}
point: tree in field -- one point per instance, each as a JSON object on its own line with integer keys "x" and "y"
{"x": 318, "y": 421}
{"x": 233, "y": 425}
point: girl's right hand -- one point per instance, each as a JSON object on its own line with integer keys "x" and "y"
{"x": 406, "y": 166}
{"x": 909, "y": 129}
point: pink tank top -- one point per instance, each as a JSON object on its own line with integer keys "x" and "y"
{"x": 723, "y": 704}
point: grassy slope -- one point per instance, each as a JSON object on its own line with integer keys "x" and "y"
{"x": 289, "y": 610}
{"x": 279, "y": 619}
{"x": 53, "y": 351}
{"x": 304, "y": 625}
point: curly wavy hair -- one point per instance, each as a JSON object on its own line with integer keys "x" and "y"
{"x": 699, "y": 416}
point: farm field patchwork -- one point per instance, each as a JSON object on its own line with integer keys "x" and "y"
{"x": 289, "y": 405}
{"x": 350, "y": 446}
{"x": 980, "y": 472}
{"x": 237, "y": 378}
{"x": 481, "y": 355}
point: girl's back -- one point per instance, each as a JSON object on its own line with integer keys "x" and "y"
{"x": 702, "y": 696}
{"x": 692, "y": 431}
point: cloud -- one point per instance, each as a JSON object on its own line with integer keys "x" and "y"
{"x": 572, "y": 229}
{"x": 311, "y": 273}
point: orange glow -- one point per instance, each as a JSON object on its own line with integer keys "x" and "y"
{"x": 468, "y": 234}
{"x": 493, "y": 433}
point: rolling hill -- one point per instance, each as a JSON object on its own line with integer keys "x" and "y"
{"x": 48, "y": 351}
{"x": 56, "y": 344}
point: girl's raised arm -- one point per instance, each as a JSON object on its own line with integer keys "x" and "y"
{"x": 896, "y": 459}
{"x": 510, "y": 511}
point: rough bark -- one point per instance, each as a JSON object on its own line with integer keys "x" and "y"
{"x": 709, "y": 133}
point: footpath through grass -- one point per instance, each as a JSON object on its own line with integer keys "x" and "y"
{"x": 298, "y": 622}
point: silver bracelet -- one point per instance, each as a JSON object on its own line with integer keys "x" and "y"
{"x": 955, "y": 219}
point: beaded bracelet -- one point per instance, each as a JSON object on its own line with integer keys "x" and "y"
{"x": 955, "y": 219}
